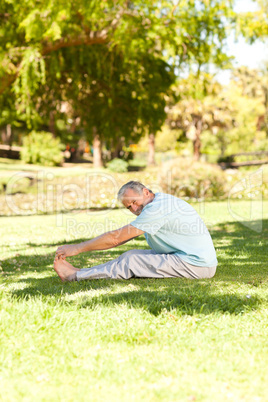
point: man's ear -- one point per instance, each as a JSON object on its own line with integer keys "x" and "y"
{"x": 146, "y": 191}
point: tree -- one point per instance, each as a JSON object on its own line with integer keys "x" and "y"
{"x": 200, "y": 108}
{"x": 224, "y": 119}
{"x": 112, "y": 58}
{"x": 254, "y": 84}
{"x": 253, "y": 25}
{"x": 116, "y": 101}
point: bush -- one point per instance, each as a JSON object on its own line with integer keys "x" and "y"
{"x": 184, "y": 177}
{"x": 41, "y": 148}
{"x": 226, "y": 159}
{"x": 118, "y": 166}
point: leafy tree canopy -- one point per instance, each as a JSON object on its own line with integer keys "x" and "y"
{"x": 254, "y": 24}
{"x": 111, "y": 61}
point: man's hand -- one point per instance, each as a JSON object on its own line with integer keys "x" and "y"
{"x": 68, "y": 250}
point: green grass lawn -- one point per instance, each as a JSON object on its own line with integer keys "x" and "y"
{"x": 142, "y": 339}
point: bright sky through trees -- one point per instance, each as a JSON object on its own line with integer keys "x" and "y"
{"x": 245, "y": 54}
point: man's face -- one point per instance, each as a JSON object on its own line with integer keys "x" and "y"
{"x": 136, "y": 202}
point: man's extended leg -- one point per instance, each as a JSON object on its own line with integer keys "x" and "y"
{"x": 145, "y": 264}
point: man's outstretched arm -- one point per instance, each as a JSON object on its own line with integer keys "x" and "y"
{"x": 103, "y": 242}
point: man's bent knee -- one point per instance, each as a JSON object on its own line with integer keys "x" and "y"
{"x": 212, "y": 272}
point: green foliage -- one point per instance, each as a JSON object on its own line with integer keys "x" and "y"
{"x": 224, "y": 120}
{"x": 165, "y": 140}
{"x": 201, "y": 106}
{"x": 41, "y": 148}
{"x": 31, "y": 76}
{"x": 243, "y": 136}
{"x": 111, "y": 62}
{"x": 254, "y": 24}
{"x": 253, "y": 84}
{"x": 118, "y": 165}
{"x": 122, "y": 105}
{"x": 197, "y": 180}
{"x": 226, "y": 159}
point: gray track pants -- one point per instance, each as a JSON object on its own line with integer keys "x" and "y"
{"x": 145, "y": 264}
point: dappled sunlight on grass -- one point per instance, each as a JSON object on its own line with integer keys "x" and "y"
{"x": 159, "y": 331}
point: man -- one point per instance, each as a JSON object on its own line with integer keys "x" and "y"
{"x": 180, "y": 243}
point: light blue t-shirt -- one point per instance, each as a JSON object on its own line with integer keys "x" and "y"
{"x": 171, "y": 225}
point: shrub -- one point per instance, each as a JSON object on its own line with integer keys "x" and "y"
{"x": 184, "y": 177}
{"x": 118, "y": 166}
{"x": 226, "y": 159}
{"x": 41, "y": 148}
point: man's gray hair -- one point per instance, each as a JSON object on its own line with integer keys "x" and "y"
{"x": 134, "y": 185}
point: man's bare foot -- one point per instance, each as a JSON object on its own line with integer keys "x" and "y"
{"x": 65, "y": 270}
{"x": 63, "y": 259}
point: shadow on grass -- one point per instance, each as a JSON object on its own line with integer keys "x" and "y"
{"x": 62, "y": 212}
{"x": 242, "y": 260}
{"x": 182, "y": 299}
{"x": 42, "y": 262}
{"x": 242, "y": 253}
{"x": 155, "y": 296}
{"x": 39, "y": 263}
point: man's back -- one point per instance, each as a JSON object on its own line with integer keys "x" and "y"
{"x": 171, "y": 225}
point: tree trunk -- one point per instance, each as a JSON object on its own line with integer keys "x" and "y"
{"x": 266, "y": 111}
{"x": 51, "y": 124}
{"x": 97, "y": 155}
{"x": 117, "y": 148}
{"x": 151, "y": 155}
{"x": 8, "y": 135}
{"x": 4, "y": 136}
{"x": 197, "y": 140}
{"x": 80, "y": 148}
